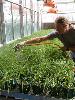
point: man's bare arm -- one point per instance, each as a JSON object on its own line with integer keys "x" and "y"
{"x": 35, "y": 40}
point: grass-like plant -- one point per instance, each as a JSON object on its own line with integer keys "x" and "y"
{"x": 45, "y": 66}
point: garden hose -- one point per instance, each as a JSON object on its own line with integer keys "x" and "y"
{"x": 36, "y": 44}
{"x": 43, "y": 43}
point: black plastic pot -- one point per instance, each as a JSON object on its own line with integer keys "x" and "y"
{"x": 25, "y": 89}
{"x": 70, "y": 93}
{"x": 58, "y": 92}
{"x": 37, "y": 89}
{"x": 13, "y": 84}
{"x": 6, "y": 85}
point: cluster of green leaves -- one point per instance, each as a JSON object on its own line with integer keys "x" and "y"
{"x": 43, "y": 65}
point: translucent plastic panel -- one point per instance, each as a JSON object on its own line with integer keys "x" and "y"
{"x": 15, "y": 9}
{"x": 16, "y": 26}
{"x": 7, "y": 11}
{"x": 8, "y": 29}
{"x": 12, "y": 21}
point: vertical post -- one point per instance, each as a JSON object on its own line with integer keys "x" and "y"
{"x": 12, "y": 22}
{"x": 31, "y": 15}
{"x": 40, "y": 16}
{"x": 21, "y": 19}
{"x": 37, "y": 16}
{"x": 34, "y": 20}
{"x": 2, "y": 24}
{"x": 41, "y": 20}
{"x": 26, "y": 19}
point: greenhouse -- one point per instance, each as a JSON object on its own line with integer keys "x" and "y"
{"x": 32, "y": 68}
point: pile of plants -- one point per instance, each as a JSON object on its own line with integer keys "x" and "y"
{"x": 42, "y": 70}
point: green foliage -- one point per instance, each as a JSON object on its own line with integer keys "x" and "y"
{"x": 43, "y": 65}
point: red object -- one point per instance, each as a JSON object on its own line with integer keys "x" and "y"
{"x": 50, "y": 3}
{"x": 52, "y": 10}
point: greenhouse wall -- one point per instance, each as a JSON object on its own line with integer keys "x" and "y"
{"x": 21, "y": 18}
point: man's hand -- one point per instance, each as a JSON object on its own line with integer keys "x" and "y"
{"x": 17, "y": 47}
{"x": 20, "y": 45}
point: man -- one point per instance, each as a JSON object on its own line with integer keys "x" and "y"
{"x": 64, "y": 32}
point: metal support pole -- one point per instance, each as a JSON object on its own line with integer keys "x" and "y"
{"x": 2, "y": 24}
{"x": 37, "y": 16}
{"x": 21, "y": 19}
{"x": 26, "y": 23}
{"x": 12, "y": 22}
{"x": 31, "y": 15}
